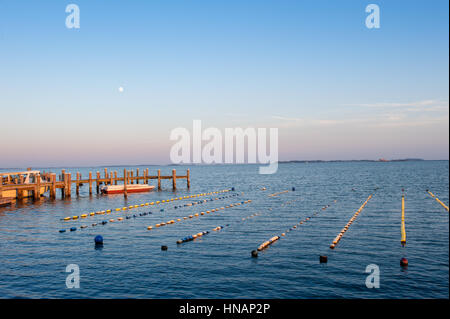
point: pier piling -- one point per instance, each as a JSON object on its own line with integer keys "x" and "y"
{"x": 159, "y": 179}
{"x": 37, "y": 188}
{"x": 53, "y": 186}
{"x": 98, "y": 182}
{"x": 77, "y": 191}
{"x": 125, "y": 193}
{"x": 174, "y": 179}
{"x": 188, "y": 178}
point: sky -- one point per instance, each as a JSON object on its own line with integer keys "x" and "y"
{"x": 111, "y": 91}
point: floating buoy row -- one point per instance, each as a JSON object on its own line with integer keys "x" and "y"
{"x": 290, "y": 202}
{"x": 104, "y": 222}
{"x": 173, "y": 221}
{"x": 339, "y": 236}
{"x": 251, "y": 216}
{"x": 108, "y": 211}
{"x": 403, "y": 231}
{"x": 269, "y": 242}
{"x": 143, "y": 214}
{"x": 194, "y": 236}
{"x": 259, "y": 213}
{"x": 276, "y": 194}
{"x": 438, "y": 200}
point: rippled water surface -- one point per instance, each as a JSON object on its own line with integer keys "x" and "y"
{"x": 34, "y": 255}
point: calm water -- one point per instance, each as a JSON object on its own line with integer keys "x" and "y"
{"x": 34, "y": 255}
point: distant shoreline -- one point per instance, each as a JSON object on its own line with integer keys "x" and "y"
{"x": 214, "y": 164}
{"x": 365, "y": 160}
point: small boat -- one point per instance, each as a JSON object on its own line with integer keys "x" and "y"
{"x": 131, "y": 188}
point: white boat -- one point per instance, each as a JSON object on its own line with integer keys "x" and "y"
{"x": 131, "y": 188}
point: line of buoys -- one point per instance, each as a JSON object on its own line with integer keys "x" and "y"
{"x": 190, "y": 238}
{"x": 180, "y": 219}
{"x": 346, "y": 227}
{"x": 269, "y": 242}
{"x": 279, "y": 193}
{"x": 200, "y": 234}
{"x": 290, "y": 202}
{"x": 148, "y": 213}
{"x": 144, "y": 204}
{"x": 403, "y": 231}
{"x": 438, "y": 200}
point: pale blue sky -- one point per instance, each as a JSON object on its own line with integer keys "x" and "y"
{"x": 335, "y": 89}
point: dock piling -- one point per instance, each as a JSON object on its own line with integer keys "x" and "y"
{"x": 174, "y": 179}
{"x": 77, "y": 191}
{"x": 20, "y": 191}
{"x": 188, "y": 178}
{"x": 37, "y": 188}
{"x": 125, "y": 173}
{"x": 98, "y": 182}
{"x": 159, "y": 179}
{"x": 53, "y": 186}
{"x": 90, "y": 183}
{"x": 68, "y": 180}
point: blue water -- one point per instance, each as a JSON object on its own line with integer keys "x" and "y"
{"x": 34, "y": 255}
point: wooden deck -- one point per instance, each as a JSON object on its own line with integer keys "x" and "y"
{"x": 110, "y": 178}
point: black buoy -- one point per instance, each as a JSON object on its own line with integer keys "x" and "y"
{"x": 254, "y": 253}
{"x": 323, "y": 259}
{"x": 293, "y": 189}
{"x": 404, "y": 262}
{"x": 163, "y": 247}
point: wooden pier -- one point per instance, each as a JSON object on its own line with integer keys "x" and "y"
{"x": 65, "y": 181}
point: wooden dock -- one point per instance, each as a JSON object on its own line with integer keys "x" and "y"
{"x": 65, "y": 182}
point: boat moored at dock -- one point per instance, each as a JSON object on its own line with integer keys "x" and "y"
{"x": 131, "y": 188}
